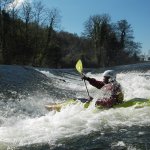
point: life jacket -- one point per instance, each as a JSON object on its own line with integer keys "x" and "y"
{"x": 112, "y": 95}
{"x": 112, "y": 92}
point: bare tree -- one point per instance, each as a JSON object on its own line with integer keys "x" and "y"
{"x": 27, "y": 17}
{"x": 53, "y": 19}
{"x": 127, "y": 47}
{"x": 124, "y": 33}
{"x": 4, "y": 4}
{"x": 97, "y": 28}
{"x": 38, "y": 19}
{"x": 14, "y": 11}
{"x": 38, "y": 12}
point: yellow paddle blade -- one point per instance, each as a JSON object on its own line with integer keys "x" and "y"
{"x": 79, "y": 66}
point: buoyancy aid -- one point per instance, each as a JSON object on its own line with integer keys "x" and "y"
{"x": 112, "y": 92}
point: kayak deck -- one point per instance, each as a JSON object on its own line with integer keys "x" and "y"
{"x": 137, "y": 102}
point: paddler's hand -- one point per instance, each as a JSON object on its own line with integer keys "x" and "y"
{"x": 83, "y": 77}
{"x": 90, "y": 99}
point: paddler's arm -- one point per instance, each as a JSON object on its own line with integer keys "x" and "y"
{"x": 93, "y": 82}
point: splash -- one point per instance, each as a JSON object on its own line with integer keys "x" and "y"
{"x": 31, "y": 123}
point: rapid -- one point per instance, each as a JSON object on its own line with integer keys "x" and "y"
{"x": 26, "y": 124}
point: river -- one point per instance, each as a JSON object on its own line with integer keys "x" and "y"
{"x": 25, "y": 124}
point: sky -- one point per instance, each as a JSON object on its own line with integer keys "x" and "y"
{"x": 75, "y": 12}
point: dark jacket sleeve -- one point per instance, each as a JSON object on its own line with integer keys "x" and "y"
{"x": 95, "y": 83}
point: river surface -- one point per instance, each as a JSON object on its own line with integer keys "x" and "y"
{"x": 25, "y": 124}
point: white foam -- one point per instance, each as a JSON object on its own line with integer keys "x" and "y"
{"x": 71, "y": 121}
{"x": 74, "y": 120}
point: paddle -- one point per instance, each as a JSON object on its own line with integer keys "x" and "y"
{"x": 79, "y": 68}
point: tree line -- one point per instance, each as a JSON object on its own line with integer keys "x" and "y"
{"x": 29, "y": 36}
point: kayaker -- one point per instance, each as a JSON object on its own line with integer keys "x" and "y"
{"x": 112, "y": 91}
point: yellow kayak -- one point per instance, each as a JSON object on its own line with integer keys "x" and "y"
{"x": 137, "y": 102}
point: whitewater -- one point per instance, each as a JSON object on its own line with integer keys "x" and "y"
{"x": 26, "y": 124}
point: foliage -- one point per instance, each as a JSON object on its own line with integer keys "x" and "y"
{"x": 28, "y": 36}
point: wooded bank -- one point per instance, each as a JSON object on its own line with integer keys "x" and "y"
{"x": 29, "y": 36}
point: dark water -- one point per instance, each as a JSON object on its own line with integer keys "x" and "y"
{"x": 25, "y": 124}
{"x": 120, "y": 139}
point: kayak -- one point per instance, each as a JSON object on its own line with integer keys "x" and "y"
{"x": 58, "y": 106}
{"x": 136, "y": 102}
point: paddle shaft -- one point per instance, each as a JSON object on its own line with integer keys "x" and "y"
{"x": 86, "y": 88}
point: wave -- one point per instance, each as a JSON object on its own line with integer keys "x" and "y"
{"x": 24, "y": 122}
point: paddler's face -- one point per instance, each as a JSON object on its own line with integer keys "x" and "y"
{"x": 106, "y": 79}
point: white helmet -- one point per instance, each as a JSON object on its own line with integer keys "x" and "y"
{"x": 111, "y": 74}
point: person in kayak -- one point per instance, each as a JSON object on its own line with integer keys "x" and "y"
{"x": 112, "y": 91}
